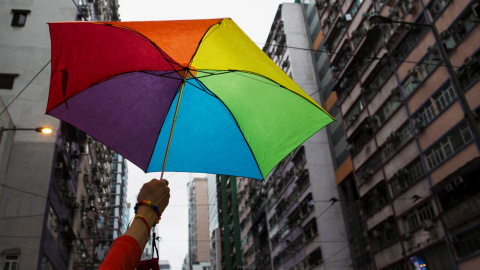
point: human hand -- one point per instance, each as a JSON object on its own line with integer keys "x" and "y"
{"x": 157, "y": 192}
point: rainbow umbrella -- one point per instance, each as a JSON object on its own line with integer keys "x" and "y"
{"x": 197, "y": 92}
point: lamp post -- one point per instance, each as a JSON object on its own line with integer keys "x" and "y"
{"x": 44, "y": 130}
{"x": 469, "y": 114}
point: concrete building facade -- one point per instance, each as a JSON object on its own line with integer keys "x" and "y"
{"x": 55, "y": 189}
{"x": 305, "y": 222}
{"x": 198, "y": 226}
{"x": 414, "y": 156}
{"x": 214, "y": 229}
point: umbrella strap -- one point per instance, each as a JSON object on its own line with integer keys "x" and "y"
{"x": 173, "y": 125}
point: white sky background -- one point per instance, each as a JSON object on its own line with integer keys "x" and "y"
{"x": 255, "y": 18}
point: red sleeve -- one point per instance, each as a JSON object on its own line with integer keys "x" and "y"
{"x": 124, "y": 254}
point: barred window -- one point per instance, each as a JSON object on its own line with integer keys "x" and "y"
{"x": 444, "y": 97}
{"x": 404, "y": 177}
{"x": 451, "y": 142}
{"x": 428, "y": 64}
{"x": 468, "y": 242}
{"x": 417, "y": 216}
{"x": 436, "y": 6}
{"x": 396, "y": 140}
{"x": 435, "y": 105}
{"x": 411, "y": 82}
{"x": 386, "y": 111}
{"x": 310, "y": 230}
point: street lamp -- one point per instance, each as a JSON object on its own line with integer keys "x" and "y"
{"x": 469, "y": 114}
{"x": 44, "y": 130}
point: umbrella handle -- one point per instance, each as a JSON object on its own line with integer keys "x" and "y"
{"x": 173, "y": 125}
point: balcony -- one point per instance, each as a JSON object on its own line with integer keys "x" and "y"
{"x": 462, "y": 213}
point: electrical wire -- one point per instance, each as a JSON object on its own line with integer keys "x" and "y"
{"x": 351, "y": 54}
{"x": 34, "y": 77}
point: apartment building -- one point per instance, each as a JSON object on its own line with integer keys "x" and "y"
{"x": 198, "y": 230}
{"x": 304, "y": 219}
{"x": 227, "y": 235}
{"x": 55, "y": 189}
{"x": 414, "y": 150}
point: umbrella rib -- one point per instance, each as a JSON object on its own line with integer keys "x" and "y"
{"x": 162, "y": 75}
{"x": 169, "y": 60}
{"x": 231, "y": 117}
{"x": 203, "y": 38}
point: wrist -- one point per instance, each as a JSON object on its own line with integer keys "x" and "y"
{"x": 149, "y": 214}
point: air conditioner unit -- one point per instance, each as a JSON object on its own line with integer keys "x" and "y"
{"x": 449, "y": 187}
{"x": 433, "y": 49}
{"x": 59, "y": 165}
{"x": 458, "y": 180}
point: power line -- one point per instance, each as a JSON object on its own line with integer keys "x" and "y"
{"x": 34, "y": 77}
{"x": 350, "y": 54}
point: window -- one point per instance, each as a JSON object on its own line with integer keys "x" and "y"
{"x": 310, "y": 230}
{"x": 448, "y": 144}
{"x": 354, "y": 111}
{"x": 345, "y": 85}
{"x": 461, "y": 189}
{"x": 379, "y": 76}
{"x": 299, "y": 160}
{"x": 383, "y": 235}
{"x": 466, "y": 22}
{"x": 10, "y": 262}
{"x": 306, "y": 206}
{"x": 386, "y": 111}
{"x": 437, "y": 6}
{"x": 404, "y": 177}
{"x": 6, "y": 80}
{"x": 315, "y": 257}
{"x": 303, "y": 181}
{"x": 405, "y": 6}
{"x": 470, "y": 72}
{"x": 298, "y": 242}
{"x": 418, "y": 216}
{"x": 411, "y": 82}
{"x": 468, "y": 242}
{"x": 366, "y": 171}
{"x": 376, "y": 199}
{"x": 407, "y": 44}
{"x": 52, "y": 222}
{"x": 428, "y": 64}
{"x": 19, "y": 17}
{"x": 396, "y": 140}
{"x": 356, "y": 4}
{"x": 440, "y": 100}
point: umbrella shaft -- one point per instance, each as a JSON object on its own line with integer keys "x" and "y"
{"x": 171, "y": 131}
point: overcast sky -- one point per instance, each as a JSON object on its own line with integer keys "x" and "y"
{"x": 255, "y": 18}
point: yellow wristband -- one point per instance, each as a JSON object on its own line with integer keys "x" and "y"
{"x": 146, "y": 222}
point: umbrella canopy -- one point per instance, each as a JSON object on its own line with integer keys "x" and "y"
{"x": 200, "y": 91}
